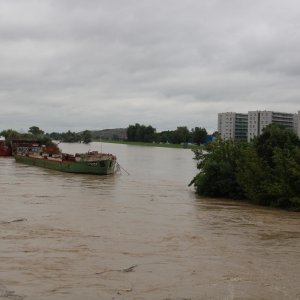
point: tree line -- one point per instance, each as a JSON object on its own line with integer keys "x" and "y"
{"x": 148, "y": 134}
{"x": 265, "y": 171}
{"x": 72, "y": 137}
{"x": 38, "y": 134}
{"x": 34, "y": 133}
{"x": 135, "y": 133}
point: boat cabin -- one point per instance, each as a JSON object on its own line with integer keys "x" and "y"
{"x": 23, "y": 146}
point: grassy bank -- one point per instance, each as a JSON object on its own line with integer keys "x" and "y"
{"x": 178, "y": 146}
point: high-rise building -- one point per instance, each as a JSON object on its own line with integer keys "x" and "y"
{"x": 238, "y": 126}
{"x": 258, "y": 120}
{"x": 233, "y": 126}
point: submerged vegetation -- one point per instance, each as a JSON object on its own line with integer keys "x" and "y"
{"x": 265, "y": 171}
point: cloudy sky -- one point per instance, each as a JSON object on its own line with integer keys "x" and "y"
{"x": 96, "y": 64}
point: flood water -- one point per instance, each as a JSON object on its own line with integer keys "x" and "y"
{"x": 145, "y": 235}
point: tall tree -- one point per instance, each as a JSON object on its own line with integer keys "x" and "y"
{"x": 35, "y": 130}
{"x": 218, "y": 169}
{"x": 86, "y": 136}
{"x": 10, "y": 134}
{"x": 181, "y": 135}
{"x": 131, "y": 132}
{"x": 140, "y": 133}
{"x": 275, "y": 136}
{"x": 199, "y": 135}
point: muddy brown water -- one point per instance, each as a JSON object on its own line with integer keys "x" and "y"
{"x": 140, "y": 236}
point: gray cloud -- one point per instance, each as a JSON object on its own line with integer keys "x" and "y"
{"x": 105, "y": 64}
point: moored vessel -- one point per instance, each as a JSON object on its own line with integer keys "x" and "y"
{"x": 84, "y": 163}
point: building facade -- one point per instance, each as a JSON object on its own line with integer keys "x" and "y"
{"x": 238, "y": 126}
{"x": 233, "y": 126}
{"x": 258, "y": 120}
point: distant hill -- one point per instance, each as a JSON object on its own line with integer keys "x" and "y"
{"x": 110, "y": 134}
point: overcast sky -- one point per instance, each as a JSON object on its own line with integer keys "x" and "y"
{"x": 96, "y": 64}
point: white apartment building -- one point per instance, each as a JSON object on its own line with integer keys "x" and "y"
{"x": 258, "y": 120}
{"x": 233, "y": 126}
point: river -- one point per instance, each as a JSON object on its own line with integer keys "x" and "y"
{"x": 138, "y": 235}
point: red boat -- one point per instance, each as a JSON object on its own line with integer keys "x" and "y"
{"x": 4, "y": 149}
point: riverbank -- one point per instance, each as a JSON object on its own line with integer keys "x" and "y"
{"x": 177, "y": 146}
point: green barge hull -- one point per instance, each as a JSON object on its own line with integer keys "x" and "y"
{"x": 97, "y": 167}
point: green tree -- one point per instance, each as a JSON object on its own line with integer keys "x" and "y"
{"x": 164, "y": 136}
{"x": 149, "y": 134}
{"x": 199, "y": 135}
{"x": 218, "y": 164}
{"x": 140, "y": 133}
{"x": 180, "y": 135}
{"x": 86, "y": 136}
{"x": 275, "y": 136}
{"x": 252, "y": 175}
{"x": 10, "y": 134}
{"x": 265, "y": 171}
{"x": 216, "y": 134}
{"x": 35, "y": 130}
{"x": 132, "y": 132}
{"x": 70, "y": 137}
{"x": 55, "y": 136}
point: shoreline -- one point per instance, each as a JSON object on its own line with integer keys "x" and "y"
{"x": 177, "y": 146}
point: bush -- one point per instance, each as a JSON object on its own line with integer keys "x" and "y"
{"x": 265, "y": 171}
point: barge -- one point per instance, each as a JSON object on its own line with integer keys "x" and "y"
{"x": 83, "y": 163}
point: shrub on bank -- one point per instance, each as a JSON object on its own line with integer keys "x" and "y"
{"x": 265, "y": 171}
